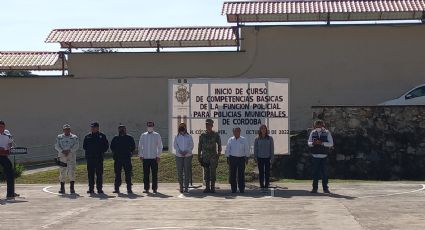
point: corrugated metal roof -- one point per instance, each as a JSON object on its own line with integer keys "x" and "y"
{"x": 143, "y": 37}
{"x": 29, "y": 60}
{"x": 293, "y": 10}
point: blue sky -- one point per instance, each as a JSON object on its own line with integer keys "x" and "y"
{"x": 25, "y": 24}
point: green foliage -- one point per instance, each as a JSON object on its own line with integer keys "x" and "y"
{"x": 167, "y": 172}
{"x": 16, "y": 73}
{"x": 18, "y": 172}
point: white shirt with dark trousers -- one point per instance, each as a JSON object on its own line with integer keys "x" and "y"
{"x": 5, "y": 143}
{"x": 237, "y": 150}
{"x": 150, "y": 148}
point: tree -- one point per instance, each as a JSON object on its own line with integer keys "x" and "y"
{"x": 16, "y": 73}
{"x": 100, "y": 50}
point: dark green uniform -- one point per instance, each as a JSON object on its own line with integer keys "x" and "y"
{"x": 209, "y": 148}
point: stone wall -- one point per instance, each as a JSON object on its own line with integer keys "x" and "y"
{"x": 371, "y": 142}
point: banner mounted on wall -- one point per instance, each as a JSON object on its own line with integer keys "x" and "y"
{"x": 245, "y": 103}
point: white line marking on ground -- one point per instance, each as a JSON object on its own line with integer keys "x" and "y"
{"x": 195, "y": 227}
{"x": 46, "y": 189}
{"x": 394, "y": 194}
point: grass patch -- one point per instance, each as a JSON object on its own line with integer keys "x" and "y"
{"x": 167, "y": 172}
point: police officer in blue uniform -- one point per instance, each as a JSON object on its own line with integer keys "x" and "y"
{"x": 122, "y": 147}
{"x": 95, "y": 145}
{"x": 320, "y": 141}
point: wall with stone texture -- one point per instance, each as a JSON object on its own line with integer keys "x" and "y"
{"x": 371, "y": 142}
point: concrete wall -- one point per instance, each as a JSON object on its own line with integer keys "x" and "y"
{"x": 355, "y": 65}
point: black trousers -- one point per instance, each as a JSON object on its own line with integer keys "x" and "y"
{"x": 264, "y": 171}
{"x": 237, "y": 173}
{"x": 9, "y": 174}
{"x": 320, "y": 171}
{"x": 95, "y": 167}
{"x": 119, "y": 164}
{"x": 148, "y": 166}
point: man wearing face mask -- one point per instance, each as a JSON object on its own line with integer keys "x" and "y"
{"x": 150, "y": 148}
{"x": 320, "y": 141}
{"x": 67, "y": 145}
{"x": 122, "y": 147}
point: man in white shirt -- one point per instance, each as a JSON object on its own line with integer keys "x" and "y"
{"x": 67, "y": 145}
{"x": 320, "y": 141}
{"x": 5, "y": 145}
{"x": 237, "y": 153}
{"x": 150, "y": 148}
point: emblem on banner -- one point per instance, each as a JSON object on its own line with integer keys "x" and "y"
{"x": 182, "y": 94}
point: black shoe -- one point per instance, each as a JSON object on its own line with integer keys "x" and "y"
{"x": 146, "y": 191}
{"x": 129, "y": 191}
{"x": 207, "y": 190}
{"x": 71, "y": 187}
{"x": 233, "y": 191}
{"x": 62, "y": 189}
{"x": 242, "y": 191}
{"x": 313, "y": 191}
{"x": 90, "y": 191}
{"x": 116, "y": 191}
{"x": 326, "y": 190}
{"x": 100, "y": 191}
{"x": 186, "y": 190}
{"x": 155, "y": 191}
{"x": 16, "y": 195}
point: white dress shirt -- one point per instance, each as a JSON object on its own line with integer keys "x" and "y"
{"x": 183, "y": 143}
{"x": 5, "y": 141}
{"x": 150, "y": 145}
{"x": 237, "y": 147}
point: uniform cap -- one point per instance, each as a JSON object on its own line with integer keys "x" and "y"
{"x": 94, "y": 124}
{"x": 209, "y": 122}
{"x": 66, "y": 126}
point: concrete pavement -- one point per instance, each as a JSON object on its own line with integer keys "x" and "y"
{"x": 350, "y": 206}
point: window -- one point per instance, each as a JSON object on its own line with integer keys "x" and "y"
{"x": 418, "y": 92}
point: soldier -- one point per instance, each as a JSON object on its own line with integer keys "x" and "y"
{"x": 67, "y": 145}
{"x": 95, "y": 145}
{"x": 209, "y": 150}
{"x": 122, "y": 147}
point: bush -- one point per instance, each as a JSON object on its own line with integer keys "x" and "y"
{"x": 18, "y": 172}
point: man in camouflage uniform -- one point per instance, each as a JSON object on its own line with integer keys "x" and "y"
{"x": 209, "y": 150}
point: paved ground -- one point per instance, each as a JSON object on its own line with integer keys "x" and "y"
{"x": 351, "y": 206}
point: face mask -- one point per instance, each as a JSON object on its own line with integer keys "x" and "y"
{"x": 150, "y": 129}
{"x": 318, "y": 129}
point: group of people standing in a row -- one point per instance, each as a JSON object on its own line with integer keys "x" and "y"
{"x": 150, "y": 146}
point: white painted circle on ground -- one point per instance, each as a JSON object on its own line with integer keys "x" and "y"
{"x": 394, "y": 194}
{"x": 195, "y": 227}
{"x": 46, "y": 189}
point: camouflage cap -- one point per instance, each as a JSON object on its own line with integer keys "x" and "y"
{"x": 66, "y": 126}
{"x": 209, "y": 122}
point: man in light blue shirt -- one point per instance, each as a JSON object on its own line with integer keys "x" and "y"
{"x": 237, "y": 153}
